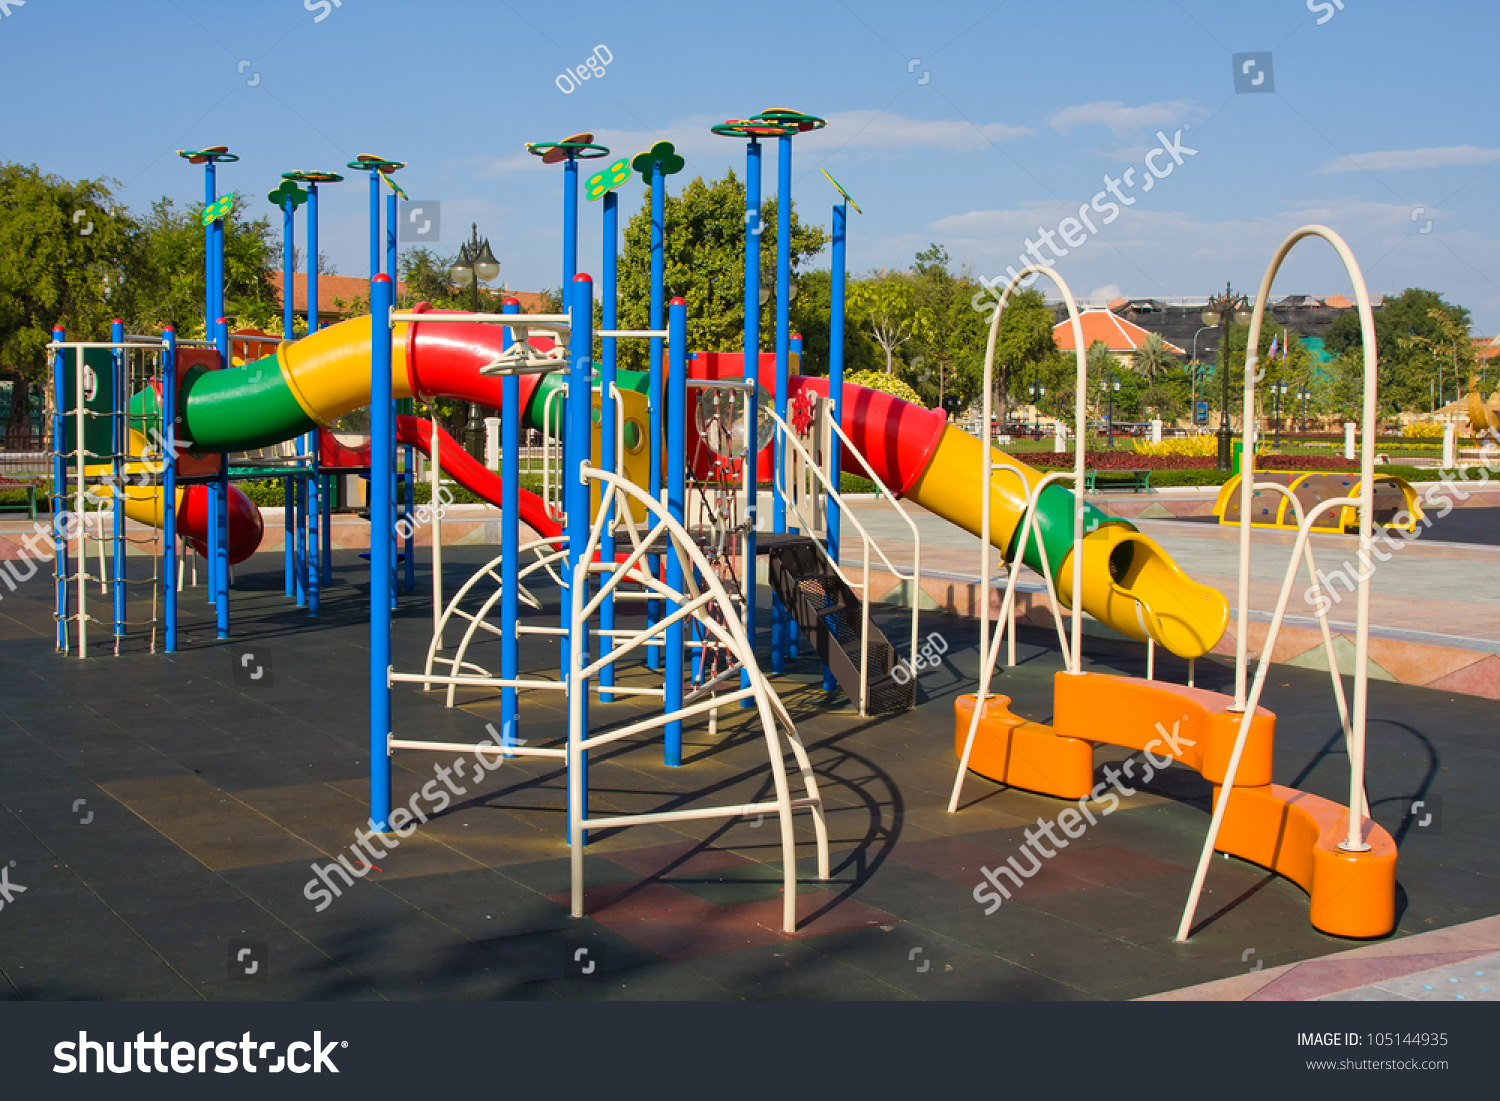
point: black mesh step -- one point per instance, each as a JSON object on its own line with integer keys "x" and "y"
{"x": 831, "y": 615}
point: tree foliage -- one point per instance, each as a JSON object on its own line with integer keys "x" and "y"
{"x": 704, "y": 263}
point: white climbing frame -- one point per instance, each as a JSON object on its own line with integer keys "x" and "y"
{"x": 1358, "y": 810}
{"x": 692, "y": 603}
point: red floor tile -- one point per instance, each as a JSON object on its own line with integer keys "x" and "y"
{"x": 677, "y": 859}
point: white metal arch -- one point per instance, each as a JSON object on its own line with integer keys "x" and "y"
{"x": 692, "y": 603}
{"x": 1354, "y": 838}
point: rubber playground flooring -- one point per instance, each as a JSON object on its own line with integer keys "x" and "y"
{"x": 164, "y": 815}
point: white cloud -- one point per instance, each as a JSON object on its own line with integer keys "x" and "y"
{"x": 871, "y": 130}
{"x": 1119, "y": 118}
{"x": 847, "y": 131}
{"x": 1437, "y": 157}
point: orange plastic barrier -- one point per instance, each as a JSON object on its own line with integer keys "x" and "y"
{"x": 1297, "y": 835}
{"x": 1290, "y": 832}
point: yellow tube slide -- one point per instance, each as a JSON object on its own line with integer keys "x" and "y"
{"x": 1129, "y": 582}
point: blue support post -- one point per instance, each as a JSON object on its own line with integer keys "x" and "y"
{"x": 676, "y": 504}
{"x": 288, "y": 332}
{"x": 409, "y": 454}
{"x": 752, "y": 376}
{"x": 836, "y": 292}
{"x": 375, "y": 226}
{"x": 210, "y": 195}
{"x": 510, "y": 536}
{"x": 793, "y": 634}
{"x": 382, "y": 445}
{"x": 219, "y": 568}
{"x": 575, "y": 492}
{"x": 779, "y": 616}
{"x": 59, "y": 479}
{"x": 118, "y": 436}
{"x": 608, "y": 443}
{"x": 655, "y": 396}
{"x": 169, "y": 487}
{"x": 307, "y": 443}
{"x": 570, "y": 222}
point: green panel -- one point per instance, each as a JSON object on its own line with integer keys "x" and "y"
{"x": 243, "y": 408}
{"x": 98, "y": 385}
{"x": 1054, "y": 519}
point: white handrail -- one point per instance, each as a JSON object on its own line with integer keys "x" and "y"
{"x": 868, "y": 543}
{"x": 1007, "y": 610}
{"x": 1354, "y": 837}
{"x": 1080, "y": 428}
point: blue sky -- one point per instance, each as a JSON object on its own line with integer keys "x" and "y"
{"x": 972, "y": 124}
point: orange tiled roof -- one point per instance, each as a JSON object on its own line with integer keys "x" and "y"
{"x": 1117, "y": 333}
{"x": 348, "y": 288}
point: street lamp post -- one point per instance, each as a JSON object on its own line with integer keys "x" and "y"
{"x": 1226, "y": 310}
{"x": 1111, "y": 386}
{"x": 1304, "y": 394}
{"x": 1278, "y": 389}
{"x": 475, "y": 264}
{"x": 1037, "y": 392}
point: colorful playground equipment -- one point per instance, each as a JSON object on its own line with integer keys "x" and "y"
{"x": 650, "y": 530}
{"x": 1397, "y": 504}
{"x": 1337, "y": 854}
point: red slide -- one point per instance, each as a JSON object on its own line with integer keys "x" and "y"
{"x": 472, "y": 475}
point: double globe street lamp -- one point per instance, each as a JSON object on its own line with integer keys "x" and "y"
{"x": 476, "y": 264}
{"x": 1227, "y": 309}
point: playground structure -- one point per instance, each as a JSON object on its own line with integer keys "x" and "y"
{"x": 1272, "y": 508}
{"x": 650, "y": 505}
{"x": 1337, "y": 854}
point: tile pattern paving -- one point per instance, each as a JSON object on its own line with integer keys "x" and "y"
{"x": 206, "y": 804}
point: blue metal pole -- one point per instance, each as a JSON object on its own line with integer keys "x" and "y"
{"x": 658, "y": 276}
{"x": 608, "y": 443}
{"x": 575, "y": 493}
{"x": 510, "y": 536}
{"x": 118, "y": 437}
{"x": 676, "y": 503}
{"x": 375, "y": 225}
{"x": 836, "y": 383}
{"x": 793, "y": 633}
{"x": 219, "y": 568}
{"x": 408, "y": 480}
{"x": 59, "y": 477}
{"x": 783, "y": 332}
{"x": 288, "y": 332}
{"x": 169, "y": 487}
{"x": 752, "y": 376}
{"x": 570, "y": 222}
{"x": 210, "y": 194}
{"x": 382, "y": 518}
{"x": 312, "y": 261}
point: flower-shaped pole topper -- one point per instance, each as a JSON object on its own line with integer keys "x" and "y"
{"x": 288, "y": 192}
{"x": 214, "y": 154}
{"x": 217, "y": 209}
{"x": 663, "y": 153}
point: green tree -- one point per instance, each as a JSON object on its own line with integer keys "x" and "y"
{"x": 1025, "y": 350}
{"x": 886, "y": 303}
{"x": 1154, "y": 364}
{"x": 704, "y": 262}
{"x": 166, "y": 282}
{"x": 947, "y": 353}
{"x": 65, "y": 247}
{"x": 1408, "y": 329}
